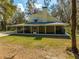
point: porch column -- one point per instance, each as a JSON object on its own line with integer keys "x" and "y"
{"x": 31, "y": 29}
{"x": 65, "y": 29}
{"x": 45, "y": 30}
{"x": 6, "y": 28}
{"x": 55, "y": 29}
{"x": 16, "y": 29}
{"x": 38, "y": 29}
{"x": 23, "y": 29}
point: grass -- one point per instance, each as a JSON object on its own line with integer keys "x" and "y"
{"x": 31, "y": 41}
{"x": 39, "y": 42}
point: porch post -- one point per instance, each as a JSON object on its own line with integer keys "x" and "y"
{"x": 45, "y": 30}
{"x": 6, "y": 28}
{"x": 38, "y": 29}
{"x": 64, "y": 29}
{"x": 23, "y": 29}
{"x": 31, "y": 29}
{"x": 55, "y": 29}
{"x": 16, "y": 29}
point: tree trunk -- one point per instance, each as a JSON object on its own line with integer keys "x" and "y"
{"x": 3, "y": 24}
{"x": 74, "y": 46}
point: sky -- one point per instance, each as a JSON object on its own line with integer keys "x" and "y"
{"x": 22, "y": 3}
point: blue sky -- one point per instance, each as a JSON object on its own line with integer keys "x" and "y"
{"x": 23, "y": 2}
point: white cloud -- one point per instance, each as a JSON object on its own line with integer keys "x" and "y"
{"x": 38, "y": 6}
{"x": 20, "y": 6}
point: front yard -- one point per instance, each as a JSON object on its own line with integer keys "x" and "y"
{"x": 23, "y": 47}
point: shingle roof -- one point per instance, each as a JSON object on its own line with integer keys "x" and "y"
{"x": 41, "y": 24}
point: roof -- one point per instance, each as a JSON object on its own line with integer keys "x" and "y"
{"x": 43, "y": 15}
{"x": 41, "y": 24}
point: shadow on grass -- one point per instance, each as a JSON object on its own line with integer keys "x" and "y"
{"x": 39, "y": 37}
{"x": 36, "y": 37}
{"x": 75, "y": 54}
{"x": 10, "y": 57}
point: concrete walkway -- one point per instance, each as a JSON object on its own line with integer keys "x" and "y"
{"x": 3, "y": 34}
{"x": 7, "y": 33}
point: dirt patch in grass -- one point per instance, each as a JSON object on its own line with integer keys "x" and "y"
{"x": 9, "y": 51}
{"x": 23, "y": 47}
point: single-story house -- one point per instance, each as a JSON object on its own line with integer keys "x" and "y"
{"x": 40, "y": 28}
{"x": 41, "y": 23}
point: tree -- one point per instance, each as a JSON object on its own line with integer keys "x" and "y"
{"x": 47, "y": 2}
{"x": 8, "y": 10}
{"x": 64, "y": 10}
{"x": 74, "y": 46}
{"x": 18, "y": 18}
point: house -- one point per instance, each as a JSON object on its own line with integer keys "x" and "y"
{"x": 40, "y": 28}
{"x": 40, "y": 23}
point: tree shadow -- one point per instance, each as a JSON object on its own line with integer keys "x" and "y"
{"x": 38, "y": 37}
{"x": 10, "y": 57}
{"x": 75, "y": 54}
{"x": 42, "y": 36}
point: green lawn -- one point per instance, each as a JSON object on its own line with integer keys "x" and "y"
{"x": 39, "y": 42}
{"x": 31, "y": 41}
